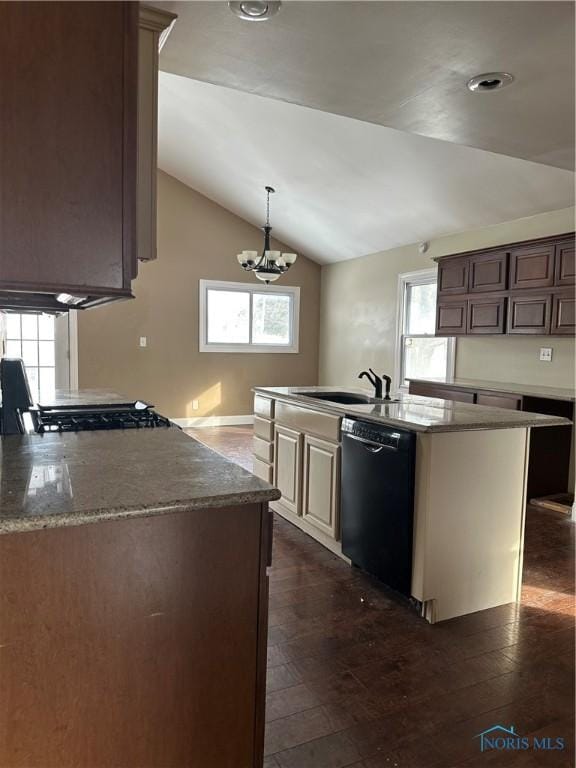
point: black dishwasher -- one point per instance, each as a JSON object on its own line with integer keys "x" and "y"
{"x": 378, "y": 464}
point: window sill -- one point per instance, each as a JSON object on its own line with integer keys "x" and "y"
{"x": 249, "y": 349}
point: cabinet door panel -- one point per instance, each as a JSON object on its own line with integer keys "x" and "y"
{"x": 320, "y": 505}
{"x": 68, "y": 183}
{"x": 532, "y": 267}
{"x": 451, "y": 317}
{"x": 563, "y": 314}
{"x": 488, "y": 272}
{"x": 486, "y": 316}
{"x": 510, "y": 402}
{"x": 453, "y": 276}
{"x": 288, "y": 468}
{"x": 565, "y": 270}
{"x": 529, "y": 314}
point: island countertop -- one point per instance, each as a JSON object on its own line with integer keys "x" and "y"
{"x": 416, "y": 413}
{"x": 73, "y": 478}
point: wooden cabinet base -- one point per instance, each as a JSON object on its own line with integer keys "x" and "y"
{"x": 138, "y": 643}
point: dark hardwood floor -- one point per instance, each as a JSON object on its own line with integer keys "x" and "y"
{"x": 356, "y": 679}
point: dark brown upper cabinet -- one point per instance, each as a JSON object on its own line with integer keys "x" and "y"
{"x": 529, "y": 314}
{"x": 486, "y": 315}
{"x": 68, "y": 139}
{"x": 452, "y": 277}
{"x": 563, "y": 314}
{"x": 488, "y": 272}
{"x": 532, "y": 267}
{"x": 451, "y": 317}
{"x": 520, "y": 288}
{"x": 564, "y": 271}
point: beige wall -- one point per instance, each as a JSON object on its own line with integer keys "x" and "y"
{"x": 196, "y": 239}
{"x": 358, "y": 312}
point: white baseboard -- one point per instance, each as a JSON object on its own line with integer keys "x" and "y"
{"x": 213, "y": 421}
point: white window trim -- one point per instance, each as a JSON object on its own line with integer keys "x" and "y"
{"x": 294, "y": 291}
{"x": 413, "y": 278}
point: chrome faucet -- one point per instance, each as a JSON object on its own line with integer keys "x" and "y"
{"x": 376, "y": 382}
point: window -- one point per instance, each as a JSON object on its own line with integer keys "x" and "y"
{"x": 32, "y": 337}
{"x": 236, "y": 317}
{"x": 419, "y": 354}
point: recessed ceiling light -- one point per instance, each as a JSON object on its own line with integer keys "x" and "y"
{"x": 252, "y": 10}
{"x": 490, "y": 81}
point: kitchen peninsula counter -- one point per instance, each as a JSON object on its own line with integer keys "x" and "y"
{"x": 55, "y": 480}
{"x": 122, "y": 637}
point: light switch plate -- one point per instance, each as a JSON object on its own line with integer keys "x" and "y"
{"x": 546, "y": 354}
{"x": 143, "y": 341}
{"x": 195, "y": 405}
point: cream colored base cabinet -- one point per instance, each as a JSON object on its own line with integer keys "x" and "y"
{"x": 288, "y": 468}
{"x": 321, "y": 485}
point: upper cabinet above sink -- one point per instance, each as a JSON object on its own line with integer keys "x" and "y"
{"x": 75, "y": 154}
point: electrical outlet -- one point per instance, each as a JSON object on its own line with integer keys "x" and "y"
{"x": 143, "y": 341}
{"x": 195, "y": 405}
{"x": 546, "y": 354}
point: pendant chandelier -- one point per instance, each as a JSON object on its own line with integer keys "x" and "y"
{"x": 271, "y": 264}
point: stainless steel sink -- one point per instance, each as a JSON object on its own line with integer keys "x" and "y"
{"x": 348, "y": 398}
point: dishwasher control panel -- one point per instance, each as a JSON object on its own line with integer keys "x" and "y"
{"x": 366, "y": 431}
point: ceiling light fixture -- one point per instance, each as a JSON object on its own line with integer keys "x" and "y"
{"x": 490, "y": 81}
{"x": 271, "y": 264}
{"x": 253, "y": 10}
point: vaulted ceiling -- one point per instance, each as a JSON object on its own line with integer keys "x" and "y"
{"x": 358, "y": 114}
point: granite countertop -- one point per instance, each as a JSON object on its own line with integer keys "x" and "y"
{"x": 55, "y": 480}
{"x": 74, "y": 397}
{"x": 416, "y": 413}
{"x": 534, "y": 390}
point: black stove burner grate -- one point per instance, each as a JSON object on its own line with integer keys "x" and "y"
{"x": 82, "y": 420}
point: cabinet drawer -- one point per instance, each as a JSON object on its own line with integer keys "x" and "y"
{"x": 532, "y": 267}
{"x": 309, "y": 421}
{"x": 529, "y": 314}
{"x": 453, "y": 276}
{"x": 511, "y": 402}
{"x": 486, "y": 316}
{"x": 262, "y": 469}
{"x": 563, "y": 320}
{"x": 564, "y": 271}
{"x": 263, "y": 449}
{"x": 451, "y": 317}
{"x": 263, "y": 428}
{"x": 488, "y": 272}
{"x": 264, "y": 406}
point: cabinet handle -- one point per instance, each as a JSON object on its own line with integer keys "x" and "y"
{"x": 369, "y": 445}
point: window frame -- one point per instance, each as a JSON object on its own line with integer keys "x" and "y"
{"x": 405, "y": 280}
{"x": 251, "y": 289}
{"x": 5, "y": 338}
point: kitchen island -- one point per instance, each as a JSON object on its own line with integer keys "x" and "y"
{"x": 133, "y": 602}
{"x": 470, "y": 485}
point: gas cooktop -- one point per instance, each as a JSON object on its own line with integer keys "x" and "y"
{"x": 81, "y": 418}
